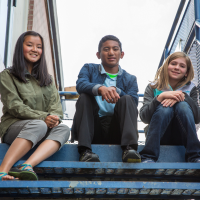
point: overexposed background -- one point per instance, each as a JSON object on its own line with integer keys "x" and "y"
{"x": 142, "y": 26}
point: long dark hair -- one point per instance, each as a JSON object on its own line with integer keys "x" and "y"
{"x": 19, "y": 65}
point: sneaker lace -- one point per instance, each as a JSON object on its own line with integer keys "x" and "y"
{"x": 128, "y": 147}
{"x": 88, "y": 151}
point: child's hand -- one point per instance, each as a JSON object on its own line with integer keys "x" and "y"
{"x": 176, "y": 95}
{"x": 109, "y": 94}
{"x": 52, "y": 121}
{"x": 168, "y": 102}
{"x": 56, "y": 124}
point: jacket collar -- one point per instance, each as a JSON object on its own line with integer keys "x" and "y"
{"x": 26, "y": 72}
{"x": 33, "y": 71}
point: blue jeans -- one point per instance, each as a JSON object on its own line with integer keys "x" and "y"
{"x": 172, "y": 126}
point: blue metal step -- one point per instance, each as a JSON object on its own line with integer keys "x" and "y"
{"x": 91, "y": 189}
{"x": 107, "y": 153}
{"x": 171, "y": 164}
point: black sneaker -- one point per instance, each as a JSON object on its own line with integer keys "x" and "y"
{"x": 89, "y": 156}
{"x": 130, "y": 155}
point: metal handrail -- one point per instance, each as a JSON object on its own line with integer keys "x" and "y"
{"x": 62, "y": 93}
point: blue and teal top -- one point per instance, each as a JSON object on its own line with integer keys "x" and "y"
{"x": 186, "y": 89}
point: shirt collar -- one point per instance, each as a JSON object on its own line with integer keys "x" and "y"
{"x": 102, "y": 70}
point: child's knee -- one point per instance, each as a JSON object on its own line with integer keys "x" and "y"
{"x": 164, "y": 111}
{"x": 183, "y": 107}
{"x": 39, "y": 128}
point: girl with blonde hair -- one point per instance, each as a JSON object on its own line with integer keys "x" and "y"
{"x": 171, "y": 109}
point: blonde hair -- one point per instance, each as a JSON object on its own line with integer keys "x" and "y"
{"x": 161, "y": 80}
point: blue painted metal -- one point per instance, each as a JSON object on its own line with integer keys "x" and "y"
{"x": 197, "y": 19}
{"x": 165, "y": 51}
{"x": 65, "y": 162}
{"x": 198, "y": 63}
{"x": 195, "y": 32}
{"x": 76, "y": 93}
{"x": 184, "y": 28}
{"x": 99, "y": 189}
{"x": 140, "y": 131}
{"x": 189, "y": 41}
{"x": 109, "y": 166}
{"x": 107, "y": 153}
{"x": 67, "y": 93}
{"x": 99, "y": 184}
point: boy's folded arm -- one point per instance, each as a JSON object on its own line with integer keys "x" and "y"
{"x": 132, "y": 90}
{"x": 84, "y": 85}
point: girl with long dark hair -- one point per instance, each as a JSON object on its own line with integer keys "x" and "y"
{"x": 32, "y": 110}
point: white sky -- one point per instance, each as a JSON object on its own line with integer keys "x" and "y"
{"x": 142, "y": 26}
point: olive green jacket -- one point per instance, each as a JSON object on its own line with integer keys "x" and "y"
{"x": 23, "y": 101}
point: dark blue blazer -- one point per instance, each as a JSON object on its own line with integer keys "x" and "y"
{"x": 90, "y": 79}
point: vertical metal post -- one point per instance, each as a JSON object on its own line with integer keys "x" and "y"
{"x": 15, "y": 3}
{"x": 166, "y": 53}
{"x": 197, "y": 18}
{"x": 7, "y": 33}
{"x": 50, "y": 13}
